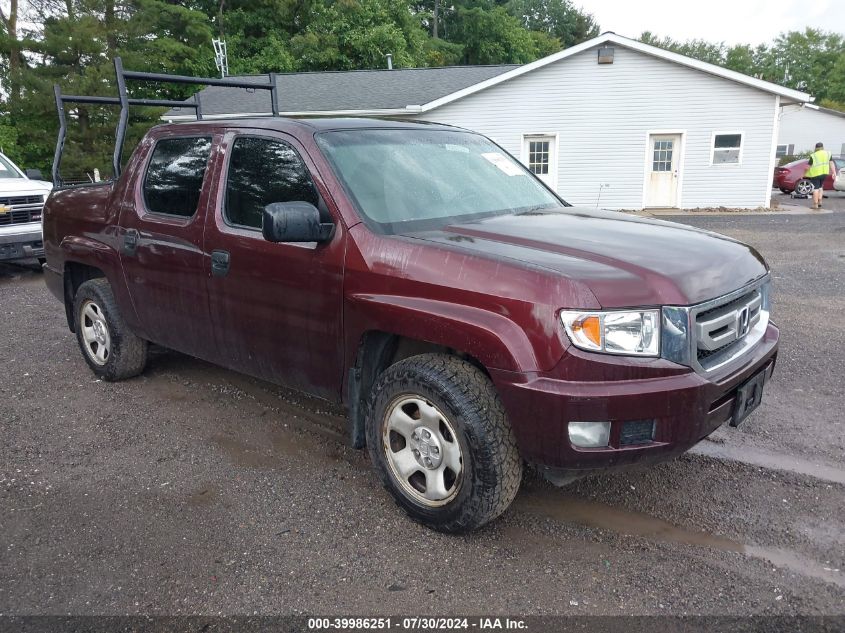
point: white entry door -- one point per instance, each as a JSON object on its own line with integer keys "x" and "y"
{"x": 662, "y": 181}
{"x": 539, "y": 154}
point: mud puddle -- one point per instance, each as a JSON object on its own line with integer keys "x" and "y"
{"x": 772, "y": 461}
{"x": 567, "y": 509}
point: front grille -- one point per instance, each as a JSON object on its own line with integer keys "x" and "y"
{"x": 721, "y": 330}
{"x": 20, "y": 216}
{"x": 18, "y": 200}
{"x": 20, "y": 209}
{"x": 704, "y": 354}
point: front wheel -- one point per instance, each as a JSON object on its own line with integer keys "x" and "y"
{"x": 804, "y": 187}
{"x": 441, "y": 444}
{"x": 111, "y": 350}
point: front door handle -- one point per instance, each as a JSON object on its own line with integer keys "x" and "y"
{"x": 219, "y": 263}
{"x": 130, "y": 241}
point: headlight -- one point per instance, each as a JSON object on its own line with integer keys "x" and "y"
{"x": 631, "y": 333}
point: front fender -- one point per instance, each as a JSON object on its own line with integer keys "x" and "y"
{"x": 493, "y": 339}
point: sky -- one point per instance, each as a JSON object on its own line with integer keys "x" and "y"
{"x": 729, "y": 21}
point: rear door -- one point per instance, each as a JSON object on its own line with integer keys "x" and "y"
{"x": 276, "y": 308}
{"x": 161, "y": 244}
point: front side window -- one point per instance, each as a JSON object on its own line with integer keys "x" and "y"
{"x": 7, "y": 170}
{"x": 726, "y": 148}
{"x": 410, "y": 179}
{"x": 175, "y": 174}
{"x": 263, "y": 171}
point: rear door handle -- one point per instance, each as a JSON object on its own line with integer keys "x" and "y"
{"x": 219, "y": 263}
{"x": 130, "y": 241}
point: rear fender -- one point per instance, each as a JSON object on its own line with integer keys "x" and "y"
{"x": 104, "y": 257}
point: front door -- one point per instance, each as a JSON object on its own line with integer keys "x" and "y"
{"x": 662, "y": 180}
{"x": 276, "y": 308}
{"x": 161, "y": 245}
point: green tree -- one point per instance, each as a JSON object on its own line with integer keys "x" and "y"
{"x": 558, "y": 18}
{"x": 353, "y": 34}
{"x": 74, "y": 45}
{"x": 807, "y": 60}
{"x": 492, "y": 36}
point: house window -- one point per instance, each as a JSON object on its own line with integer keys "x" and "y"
{"x": 785, "y": 150}
{"x": 727, "y": 148}
{"x": 538, "y": 156}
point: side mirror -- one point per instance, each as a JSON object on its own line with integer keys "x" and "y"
{"x": 34, "y": 174}
{"x": 294, "y": 222}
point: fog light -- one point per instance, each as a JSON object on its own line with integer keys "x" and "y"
{"x": 589, "y": 434}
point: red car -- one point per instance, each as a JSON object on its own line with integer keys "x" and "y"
{"x": 790, "y": 177}
{"x": 469, "y": 319}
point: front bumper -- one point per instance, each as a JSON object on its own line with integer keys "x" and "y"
{"x": 685, "y": 406}
{"x": 21, "y": 241}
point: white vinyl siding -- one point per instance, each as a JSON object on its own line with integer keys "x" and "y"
{"x": 804, "y": 127}
{"x": 602, "y": 115}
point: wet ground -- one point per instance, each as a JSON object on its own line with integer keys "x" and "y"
{"x": 193, "y": 489}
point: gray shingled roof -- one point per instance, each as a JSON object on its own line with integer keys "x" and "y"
{"x": 350, "y": 90}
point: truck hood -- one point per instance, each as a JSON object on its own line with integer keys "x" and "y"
{"x": 23, "y": 186}
{"x": 624, "y": 260}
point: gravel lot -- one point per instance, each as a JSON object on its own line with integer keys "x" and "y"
{"x": 834, "y": 200}
{"x": 195, "y": 490}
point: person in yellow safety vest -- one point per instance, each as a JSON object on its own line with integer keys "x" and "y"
{"x": 820, "y": 166}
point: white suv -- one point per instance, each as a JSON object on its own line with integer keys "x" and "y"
{"x": 22, "y": 196}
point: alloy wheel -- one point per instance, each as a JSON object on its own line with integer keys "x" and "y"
{"x": 95, "y": 332}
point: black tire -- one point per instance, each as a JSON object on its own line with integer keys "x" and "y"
{"x": 491, "y": 466}
{"x": 125, "y": 354}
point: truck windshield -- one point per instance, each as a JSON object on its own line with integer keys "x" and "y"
{"x": 7, "y": 169}
{"x": 411, "y": 179}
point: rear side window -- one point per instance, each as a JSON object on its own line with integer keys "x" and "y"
{"x": 263, "y": 171}
{"x": 174, "y": 176}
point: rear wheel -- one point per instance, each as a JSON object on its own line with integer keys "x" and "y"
{"x": 804, "y": 187}
{"x": 441, "y": 444}
{"x": 111, "y": 350}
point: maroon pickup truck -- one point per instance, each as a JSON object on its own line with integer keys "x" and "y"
{"x": 470, "y": 320}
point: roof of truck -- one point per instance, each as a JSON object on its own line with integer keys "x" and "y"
{"x": 316, "y": 124}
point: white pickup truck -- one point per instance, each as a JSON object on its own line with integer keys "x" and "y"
{"x": 22, "y": 196}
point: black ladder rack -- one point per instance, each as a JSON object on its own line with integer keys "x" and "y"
{"x": 124, "y": 102}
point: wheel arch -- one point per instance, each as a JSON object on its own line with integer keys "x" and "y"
{"x": 75, "y": 274}
{"x": 376, "y": 351}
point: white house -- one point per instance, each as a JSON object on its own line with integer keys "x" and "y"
{"x": 611, "y": 122}
{"x": 802, "y": 127}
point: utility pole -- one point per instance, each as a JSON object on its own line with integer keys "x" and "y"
{"x": 436, "y": 18}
